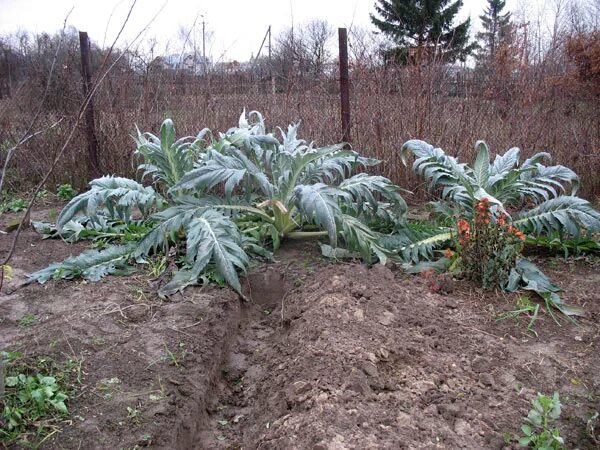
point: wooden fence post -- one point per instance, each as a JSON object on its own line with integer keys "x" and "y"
{"x": 93, "y": 164}
{"x": 344, "y": 84}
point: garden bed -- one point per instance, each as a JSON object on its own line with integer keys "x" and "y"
{"x": 325, "y": 356}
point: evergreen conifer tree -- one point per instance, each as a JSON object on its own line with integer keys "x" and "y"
{"x": 497, "y": 31}
{"x": 423, "y": 28}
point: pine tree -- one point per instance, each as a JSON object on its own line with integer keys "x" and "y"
{"x": 422, "y": 27}
{"x": 497, "y": 31}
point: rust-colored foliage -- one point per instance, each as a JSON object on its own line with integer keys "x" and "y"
{"x": 584, "y": 51}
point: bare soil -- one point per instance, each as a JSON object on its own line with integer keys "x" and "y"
{"x": 325, "y": 356}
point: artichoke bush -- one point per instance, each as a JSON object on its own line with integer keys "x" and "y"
{"x": 218, "y": 201}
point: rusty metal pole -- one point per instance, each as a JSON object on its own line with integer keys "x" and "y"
{"x": 93, "y": 164}
{"x": 344, "y": 84}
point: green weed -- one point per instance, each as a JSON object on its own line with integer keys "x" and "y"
{"x": 35, "y": 400}
{"x": 27, "y": 320}
{"x": 538, "y": 431}
{"x": 65, "y": 192}
{"x": 15, "y": 205}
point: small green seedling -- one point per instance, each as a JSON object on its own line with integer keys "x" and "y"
{"x": 592, "y": 423}
{"x": 27, "y": 320}
{"x": 538, "y": 431}
{"x": 98, "y": 341}
{"x": 52, "y": 215}
{"x": 157, "y": 265}
{"x": 176, "y": 356}
{"x": 133, "y": 412}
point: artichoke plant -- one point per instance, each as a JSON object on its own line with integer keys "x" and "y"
{"x": 217, "y": 201}
{"x": 539, "y": 200}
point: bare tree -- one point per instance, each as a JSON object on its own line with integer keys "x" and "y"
{"x": 316, "y": 37}
{"x": 303, "y": 50}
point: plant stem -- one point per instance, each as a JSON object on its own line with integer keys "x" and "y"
{"x": 305, "y": 234}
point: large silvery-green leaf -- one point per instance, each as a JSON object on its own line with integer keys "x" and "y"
{"x": 549, "y": 179}
{"x": 413, "y": 243}
{"x": 91, "y": 265}
{"x": 505, "y": 163}
{"x": 566, "y": 214}
{"x": 438, "y": 169}
{"x": 535, "y": 280}
{"x": 318, "y": 203}
{"x": 217, "y": 169}
{"x": 293, "y": 171}
{"x": 228, "y": 168}
{"x": 211, "y": 237}
{"x": 363, "y": 188}
{"x": 481, "y": 168}
{"x": 118, "y": 195}
{"x": 359, "y": 238}
{"x": 165, "y": 159}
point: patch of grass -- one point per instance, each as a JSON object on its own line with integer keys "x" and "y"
{"x": 178, "y": 355}
{"x": 175, "y": 357}
{"x": 35, "y": 400}
{"x": 524, "y": 307}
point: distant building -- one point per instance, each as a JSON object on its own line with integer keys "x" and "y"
{"x": 232, "y": 67}
{"x": 194, "y": 64}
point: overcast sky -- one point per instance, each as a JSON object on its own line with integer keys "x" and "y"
{"x": 238, "y": 26}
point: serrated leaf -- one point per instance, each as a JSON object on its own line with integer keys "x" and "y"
{"x": 91, "y": 265}
{"x": 318, "y": 203}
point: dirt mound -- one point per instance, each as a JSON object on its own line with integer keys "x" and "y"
{"x": 368, "y": 358}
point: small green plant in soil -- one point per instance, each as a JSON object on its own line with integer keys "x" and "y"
{"x": 15, "y": 205}
{"x": 591, "y": 426}
{"x": 538, "y": 430}
{"x": 176, "y": 356}
{"x": 65, "y": 191}
{"x": 27, "y": 320}
{"x": 34, "y": 401}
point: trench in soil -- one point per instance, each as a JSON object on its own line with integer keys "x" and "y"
{"x": 221, "y": 414}
{"x": 342, "y": 356}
